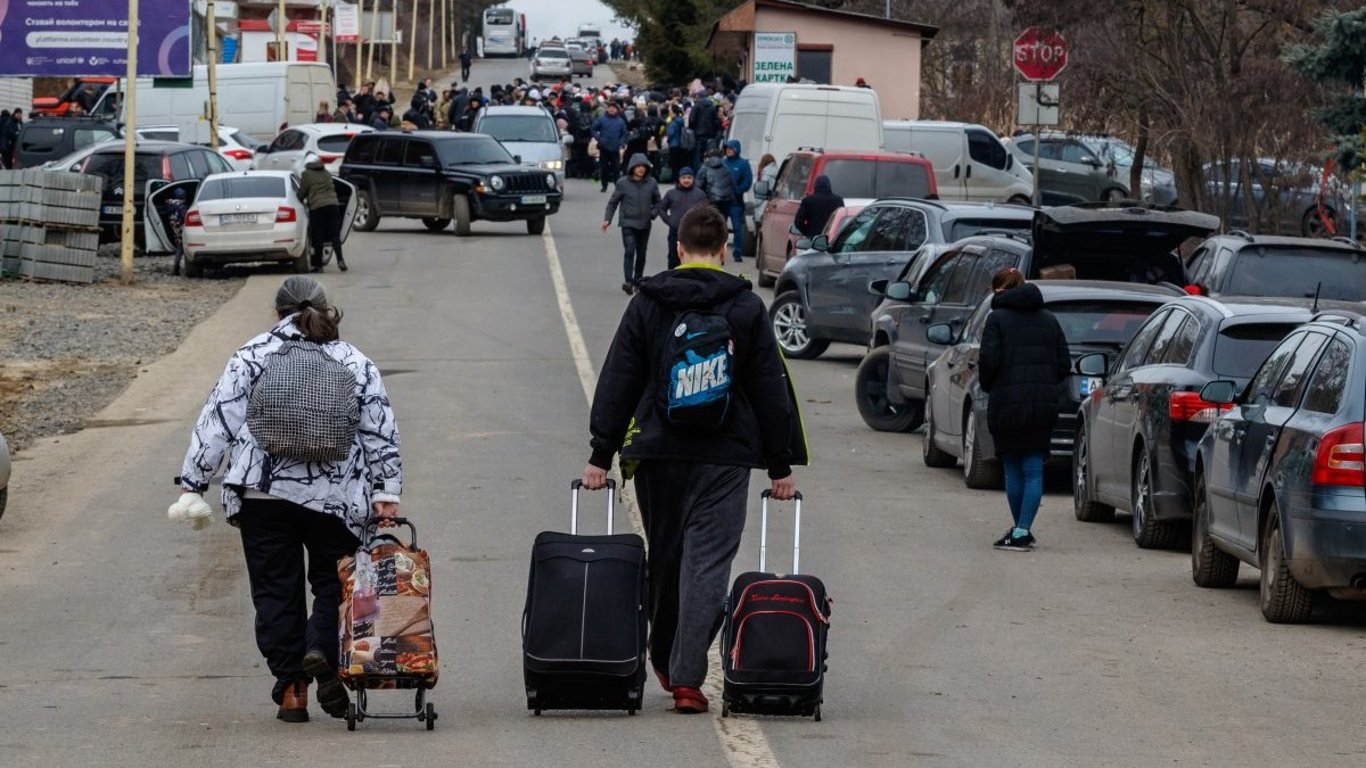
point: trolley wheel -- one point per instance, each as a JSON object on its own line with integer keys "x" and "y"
{"x": 538, "y": 712}
{"x": 817, "y": 713}
{"x": 431, "y": 716}
{"x": 631, "y": 712}
{"x": 725, "y": 709}
{"x": 350, "y": 717}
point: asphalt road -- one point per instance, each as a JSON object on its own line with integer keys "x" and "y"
{"x": 127, "y": 641}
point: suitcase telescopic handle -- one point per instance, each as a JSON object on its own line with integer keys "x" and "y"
{"x": 577, "y": 486}
{"x": 796, "y": 532}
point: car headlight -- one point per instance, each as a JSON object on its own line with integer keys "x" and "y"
{"x": 550, "y": 180}
{"x": 497, "y": 183}
{"x": 553, "y": 165}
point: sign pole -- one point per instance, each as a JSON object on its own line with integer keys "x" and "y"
{"x": 333, "y": 30}
{"x": 412, "y": 44}
{"x": 213, "y": 75}
{"x": 393, "y": 52}
{"x": 280, "y": 25}
{"x": 1037, "y": 197}
{"x": 374, "y": 35}
{"x": 129, "y": 146}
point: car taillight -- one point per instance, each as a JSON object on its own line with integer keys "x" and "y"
{"x": 238, "y": 154}
{"x": 193, "y": 219}
{"x": 329, "y": 158}
{"x": 1187, "y": 406}
{"x": 286, "y": 214}
{"x": 166, "y": 168}
{"x": 1341, "y": 458}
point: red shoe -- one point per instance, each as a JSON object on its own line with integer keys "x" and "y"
{"x": 663, "y": 680}
{"x": 689, "y": 701}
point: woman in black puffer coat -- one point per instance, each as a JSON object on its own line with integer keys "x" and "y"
{"x": 1023, "y": 361}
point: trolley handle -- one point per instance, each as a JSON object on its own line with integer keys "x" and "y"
{"x": 796, "y": 531}
{"x": 374, "y": 536}
{"x": 575, "y": 488}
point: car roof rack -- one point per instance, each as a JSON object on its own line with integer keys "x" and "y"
{"x": 1343, "y": 316}
{"x": 811, "y": 149}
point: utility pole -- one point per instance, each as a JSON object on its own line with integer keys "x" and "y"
{"x": 393, "y": 52}
{"x": 445, "y": 34}
{"x": 431, "y": 27}
{"x": 374, "y": 35}
{"x": 213, "y": 75}
{"x": 129, "y": 148}
{"x": 360, "y": 46}
{"x": 280, "y": 25}
{"x": 412, "y": 33}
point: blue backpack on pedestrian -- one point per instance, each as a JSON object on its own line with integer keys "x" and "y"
{"x": 699, "y": 369}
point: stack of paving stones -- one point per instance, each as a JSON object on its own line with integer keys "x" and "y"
{"x": 49, "y": 225}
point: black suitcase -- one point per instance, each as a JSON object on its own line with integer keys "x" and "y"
{"x": 584, "y": 627}
{"x": 774, "y": 651}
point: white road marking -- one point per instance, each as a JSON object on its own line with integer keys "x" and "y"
{"x": 742, "y": 741}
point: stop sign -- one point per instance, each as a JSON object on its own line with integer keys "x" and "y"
{"x": 1039, "y": 55}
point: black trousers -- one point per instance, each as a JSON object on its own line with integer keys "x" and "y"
{"x": 609, "y": 167}
{"x": 634, "y": 242}
{"x": 464, "y": 72}
{"x": 275, "y": 536}
{"x": 324, "y": 226}
{"x": 674, "y": 261}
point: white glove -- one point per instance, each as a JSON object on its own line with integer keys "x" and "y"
{"x": 191, "y": 507}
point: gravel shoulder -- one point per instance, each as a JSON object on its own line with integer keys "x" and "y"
{"x": 66, "y": 351}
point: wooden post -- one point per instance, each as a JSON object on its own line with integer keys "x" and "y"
{"x": 412, "y": 42}
{"x": 374, "y": 36}
{"x": 129, "y": 146}
{"x": 431, "y": 28}
{"x": 280, "y": 27}
{"x": 445, "y": 34}
{"x": 393, "y": 53}
{"x": 213, "y": 75}
{"x": 359, "y": 76}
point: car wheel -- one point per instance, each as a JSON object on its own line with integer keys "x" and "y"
{"x": 870, "y": 394}
{"x": 301, "y": 262}
{"x": 789, "y": 325}
{"x": 4, "y": 499}
{"x": 1210, "y": 567}
{"x": 1284, "y": 600}
{"x": 1113, "y": 195}
{"x": 978, "y": 473}
{"x": 765, "y": 280}
{"x": 1149, "y": 533}
{"x": 535, "y": 226}
{"x": 367, "y": 217}
{"x": 194, "y": 268}
{"x": 1083, "y": 507}
{"x": 1312, "y": 226}
{"x": 933, "y": 455}
{"x": 461, "y": 206}
{"x": 749, "y": 247}
{"x": 436, "y": 225}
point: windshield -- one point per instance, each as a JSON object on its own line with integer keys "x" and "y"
{"x": 242, "y": 186}
{"x": 1298, "y": 272}
{"x": 958, "y": 229}
{"x": 871, "y": 179}
{"x": 519, "y": 128}
{"x": 1107, "y": 323}
{"x": 498, "y": 16}
{"x": 335, "y": 143}
{"x": 472, "y": 151}
{"x": 1241, "y": 348}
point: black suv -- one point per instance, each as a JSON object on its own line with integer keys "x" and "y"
{"x": 440, "y": 177}
{"x": 1280, "y": 477}
{"x": 1128, "y": 243}
{"x": 1240, "y": 264}
{"x": 822, "y": 294}
{"x": 153, "y": 161}
{"x": 44, "y": 139}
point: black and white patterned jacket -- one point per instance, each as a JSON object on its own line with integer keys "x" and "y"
{"x": 345, "y": 489}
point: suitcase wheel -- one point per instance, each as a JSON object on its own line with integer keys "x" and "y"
{"x": 351, "y": 717}
{"x": 430, "y": 716}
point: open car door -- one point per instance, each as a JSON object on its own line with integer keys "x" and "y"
{"x": 160, "y": 218}
{"x": 346, "y": 202}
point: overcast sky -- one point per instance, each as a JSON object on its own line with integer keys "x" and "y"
{"x": 548, "y": 18}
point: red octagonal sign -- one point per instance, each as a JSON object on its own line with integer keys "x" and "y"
{"x": 1039, "y": 55}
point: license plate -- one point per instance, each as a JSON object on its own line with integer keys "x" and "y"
{"x": 111, "y": 210}
{"x": 1089, "y": 384}
{"x": 237, "y": 218}
{"x": 533, "y": 199}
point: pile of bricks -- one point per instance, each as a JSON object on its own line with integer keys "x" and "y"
{"x": 49, "y": 224}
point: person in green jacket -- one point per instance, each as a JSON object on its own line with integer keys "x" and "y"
{"x": 324, "y": 212}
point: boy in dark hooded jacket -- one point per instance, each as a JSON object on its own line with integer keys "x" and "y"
{"x": 636, "y": 194}
{"x": 678, "y": 201}
{"x": 692, "y": 483}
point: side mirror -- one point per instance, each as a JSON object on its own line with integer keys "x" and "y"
{"x": 900, "y": 291}
{"x": 517, "y": 159}
{"x": 1010, "y": 161}
{"x": 802, "y": 244}
{"x": 1091, "y": 161}
{"x": 878, "y": 287}
{"x": 820, "y": 243}
{"x": 940, "y": 333}
{"x": 1094, "y": 364}
{"x": 792, "y": 229}
{"x": 1220, "y": 392}
{"x": 761, "y": 190}
{"x": 427, "y": 161}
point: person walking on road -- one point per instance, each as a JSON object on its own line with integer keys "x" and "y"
{"x": 717, "y": 182}
{"x": 636, "y": 194}
{"x": 319, "y": 192}
{"x": 744, "y": 179}
{"x": 1023, "y": 363}
{"x": 610, "y": 132}
{"x": 705, "y": 123}
{"x": 815, "y": 210}
{"x": 692, "y": 481}
{"x": 684, "y": 197}
{"x": 285, "y": 500}
{"x": 466, "y": 60}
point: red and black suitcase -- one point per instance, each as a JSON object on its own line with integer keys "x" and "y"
{"x": 774, "y": 636}
{"x": 584, "y": 626}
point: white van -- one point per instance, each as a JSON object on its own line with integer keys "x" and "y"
{"x": 256, "y": 98}
{"x": 970, "y": 163}
{"x": 778, "y": 118}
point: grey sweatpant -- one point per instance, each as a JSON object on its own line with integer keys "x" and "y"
{"x": 694, "y": 515}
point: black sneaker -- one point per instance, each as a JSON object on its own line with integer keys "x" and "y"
{"x": 1011, "y": 543}
{"x": 332, "y": 696}
{"x": 628, "y": 289}
{"x": 341, "y": 265}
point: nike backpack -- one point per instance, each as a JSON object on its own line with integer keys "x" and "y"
{"x": 699, "y": 358}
